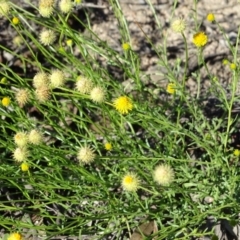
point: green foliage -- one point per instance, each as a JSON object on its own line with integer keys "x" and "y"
{"x": 193, "y": 133}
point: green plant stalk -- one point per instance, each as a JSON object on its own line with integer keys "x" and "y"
{"x": 186, "y": 63}
{"x": 234, "y": 88}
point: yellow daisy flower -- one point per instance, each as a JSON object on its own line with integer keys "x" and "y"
{"x": 123, "y": 104}
{"x": 236, "y": 152}
{"x": 25, "y": 167}
{"x": 15, "y": 236}
{"x": 130, "y": 182}
{"x": 126, "y": 46}
{"x": 200, "y": 39}
{"x": 108, "y": 146}
{"x": 171, "y": 88}
{"x": 210, "y": 17}
{"x": 6, "y": 101}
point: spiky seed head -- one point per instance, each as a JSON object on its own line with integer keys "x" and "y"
{"x": 163, "y": 174}
{"x": 21, "y": 139}
{"x": 20, "y": 154}
{"x": 85, "y": 155}
{"x": 22, "y": 97}
{"x": 4, "y": 8}
{"x": 40, "y": 79}
{"x": 97, "y": 94}
{"x": 65, "y": 6}
{"x": 42, "y": 93}
{"x": 57, "y": 78}
{"x": 47, "y": 37}
{"x": 35, "y": 137}
{"x": 84, "y": 85}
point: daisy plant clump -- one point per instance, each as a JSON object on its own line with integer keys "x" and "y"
{"x": 86, "y": 155}
{"x": 130, "y": 182}
{"x": 144, "y": 153}
{"x": 123, "y": 104}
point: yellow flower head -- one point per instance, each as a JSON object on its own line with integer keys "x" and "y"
{"x": 163, "y": 175}
{"x": 85, "y": 155}
{"x": 126, "y": 46}
{"x": 108, "y": 146}
{"x": 69, "y": 42}
{"x": 233, "y": 66}
{"x": 171, "y": 88}
{"x": 21, "y": 139}
{"x": 123, "y": 104}
{"x": 225, "y": 61}
{"x": 236, "y": 152}
{"x": 200, "y": 39}
{"x": 15, "y": 21}
{"x": 130, "y": 182}
{"x": 210, "y": 17}
{"x": 25, "y": 167}
{"x": 6, "y": 101}
{"x": 15, "y": 236}
{"x": 4, "y": 80}
{"x": 178, "y": 25}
